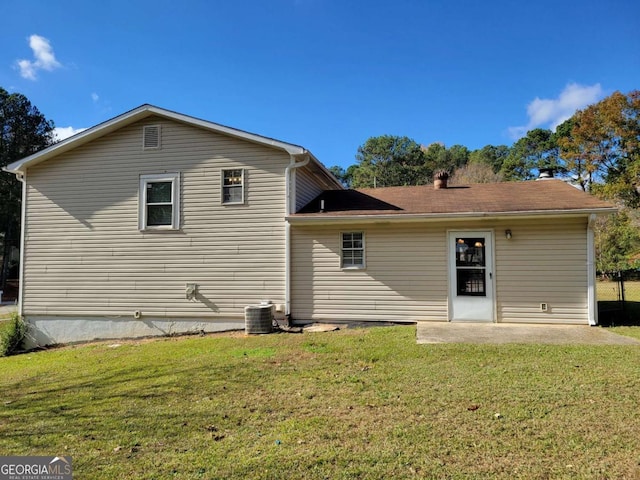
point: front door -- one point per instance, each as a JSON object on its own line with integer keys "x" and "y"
{"x": 471, "y": 276}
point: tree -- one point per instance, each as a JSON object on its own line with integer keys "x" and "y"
{"x": 604, "y": 144}
{"x": 340, "y": 174}
{"x": 458, "y": 156}
{"x": 344, "y": 176}
{"x": 477, "y": 172}
{"x": 23, "y": 131}
{"x": 536, "y": 151}
{"x": 490, "y": 155}
{"x": 617, "y": 239}
{"x": 438, "y": 158}
{"x": 387, "y": 161}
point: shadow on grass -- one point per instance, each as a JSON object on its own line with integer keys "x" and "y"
{"x": 617, "y": 314}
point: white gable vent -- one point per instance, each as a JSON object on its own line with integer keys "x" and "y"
{"x": 151, "y": 137}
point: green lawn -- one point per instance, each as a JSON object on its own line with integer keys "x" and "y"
{"x": 610, "y": 309}
{"x": 362, "y": 403}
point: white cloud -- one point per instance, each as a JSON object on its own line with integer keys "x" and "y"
{"x": 60, "y": 133}
{"x": 551, "y": 112}
{"x": 95, "y": 97}
{"x": 43, "y": 58}
{"x": 27, "y": 69}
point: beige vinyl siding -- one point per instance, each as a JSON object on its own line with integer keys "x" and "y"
{"x": 86, "y": 256}
{"x": 544, "y": 262}
{"x": 307, "y": 187}
{"x": 406, "y": 274}
{"x": 405, "y": 278}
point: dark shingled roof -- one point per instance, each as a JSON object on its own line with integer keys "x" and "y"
{"x": 551, "y": 196}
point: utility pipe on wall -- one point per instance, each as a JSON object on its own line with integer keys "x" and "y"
{"x": 592, "y": 301}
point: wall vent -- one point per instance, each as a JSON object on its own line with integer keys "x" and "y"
{"x": 151, "y": 137}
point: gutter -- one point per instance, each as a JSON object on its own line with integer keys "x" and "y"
{"x": 290, "y": 207}
{"x": 324, "y": 219}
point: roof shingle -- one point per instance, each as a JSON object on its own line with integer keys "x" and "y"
{"x": 487, "y": 198}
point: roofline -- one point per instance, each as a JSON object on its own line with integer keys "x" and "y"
{"x": 140, "y": 113}
{"x": 329, "y": 176}
{"x": 415, "y": 217}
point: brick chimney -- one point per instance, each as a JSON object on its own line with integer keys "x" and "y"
{"x": 440, "y": 179}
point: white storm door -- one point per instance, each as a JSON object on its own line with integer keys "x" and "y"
{"x": 471, "y": 289}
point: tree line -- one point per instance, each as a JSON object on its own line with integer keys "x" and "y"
{"x": 23, "y": 131}
{"x": 597, "y": 150}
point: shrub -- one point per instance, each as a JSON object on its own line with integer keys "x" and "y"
{"x": 12, "y": 335}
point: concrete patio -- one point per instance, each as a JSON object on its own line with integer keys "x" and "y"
{"x": 501, "y": 333}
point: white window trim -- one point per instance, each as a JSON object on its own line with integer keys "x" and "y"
{"x": 174, "y": 178}
{"x": 364, "y": 252}
{"x": 222, "y": 186}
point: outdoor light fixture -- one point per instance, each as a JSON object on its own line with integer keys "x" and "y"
{"x": 507, "y": 234}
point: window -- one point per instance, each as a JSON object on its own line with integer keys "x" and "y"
{"x": 159, "y": 201}
{"x": 353, "y": 250}
{"x": 233, "y": 186}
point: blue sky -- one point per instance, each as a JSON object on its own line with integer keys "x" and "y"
{"x": 325, "y": 74}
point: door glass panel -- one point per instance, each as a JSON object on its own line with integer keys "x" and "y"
{"x": 471, "y": 281}
{"x": 471, "y": 266}
{"x": 470, "y": 252}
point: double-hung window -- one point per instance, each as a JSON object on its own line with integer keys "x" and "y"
{"x": 352, "y": 250}
{"x": 160, "y": 201}
{"x": 233, "y": 186}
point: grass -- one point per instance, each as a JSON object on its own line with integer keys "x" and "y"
{"x": 12, "y": 334}
{"x": 610, "y": 309}
{"x": 4, "y": 324}
{"x": 363, "y": 403}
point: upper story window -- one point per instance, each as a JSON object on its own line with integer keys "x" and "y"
{"x": 353, "y": 250}
{"x": 233, "y": 186}
{"x": 160, "y": 201}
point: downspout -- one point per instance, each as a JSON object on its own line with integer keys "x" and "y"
{"x": 290, "y": 200}
{"x": 592, "y": 301}
{"x": 23, "y": 228}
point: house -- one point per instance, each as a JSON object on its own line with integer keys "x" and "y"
{"x": 155, "y": 222}
{"x": 501, "y": 252}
